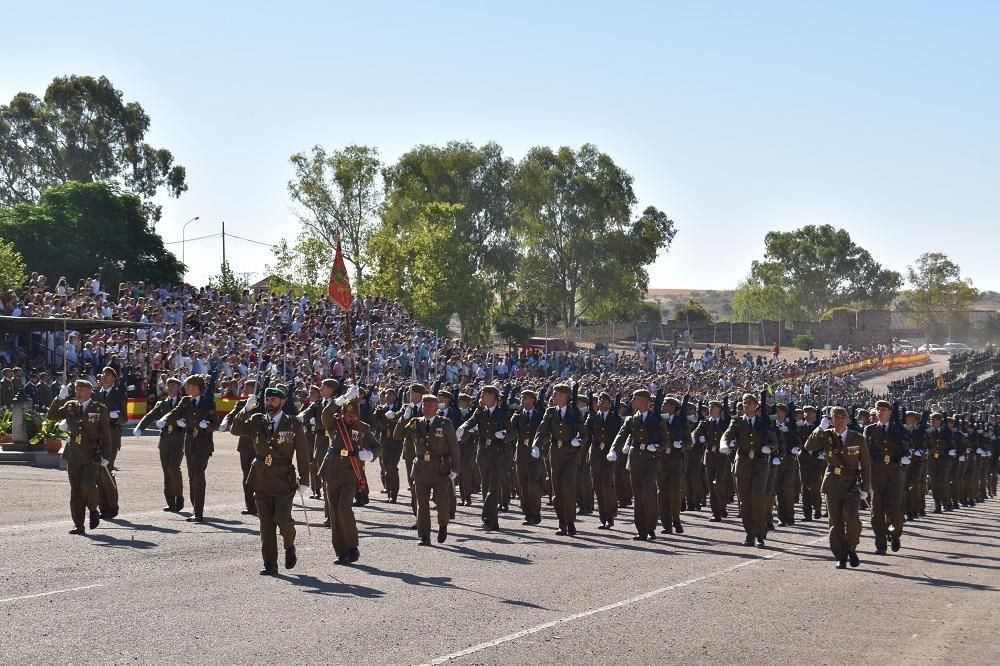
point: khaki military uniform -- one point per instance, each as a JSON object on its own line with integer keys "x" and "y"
{"x": 558, "y": 429}
{"x": 485, "y": 424}
{"x": 785, "y": 475}
{"x": 811, "y": 468}
{"x": 708, "y": 434}
{"x": 115, "y": 400}
{"x": 602, "y": 428}
{"x": 530, "y": 470}
{"x": 273, "y": 476}
{"x": 198, "y": 442}
{"x": 437, "y": 456}
{"x": 171, "y": 448}
{"x": 753, "y": 467}
{"x": 670, "y": 477}
{"x": 937, "y": 444}
{"x": 90, "y": 438}
{"x": 401, "y": 434}
{"x": 340, "y": 479}
{"x": 638, "y": 434}
{"x": 887, "y": 444}
{"x": 848, "y": 473}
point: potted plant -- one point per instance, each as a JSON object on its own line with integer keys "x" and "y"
{"x": 6, "y": 420}
{"x": 51, "y": 435}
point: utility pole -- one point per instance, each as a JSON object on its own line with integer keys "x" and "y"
{"x": 223, "y": 242}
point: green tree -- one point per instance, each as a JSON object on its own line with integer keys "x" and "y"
{"x": 937, "y": 290}
{"x": 574, "y": 224}
{"x": 81, "y": 130}
{"x": 762, "y": 295}
{"x": 340, "y": 195}
{"x": 427, "y": 268}
{"x": 693, "y": 311}
{"x": 820, "y": 268}
{"x": 228, "y": 283}
{"x": 303, "y": 267}
{"x": 76, "y": 229}
{"x": 13, "y": 273}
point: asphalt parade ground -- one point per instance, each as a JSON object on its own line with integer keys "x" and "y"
{"x": 151, "y": 588}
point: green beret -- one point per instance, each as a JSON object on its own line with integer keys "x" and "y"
{"x": 274, "y": 392}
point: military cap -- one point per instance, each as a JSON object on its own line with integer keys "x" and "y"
{"x": 604, "y": 395}
{"x": 174, "y": 380}
{"x": 313, "y": 387}
{"x": 782, "y": 406}
{"x": 809, "y": 408}
{"x": 714, "y": 403}
{"x": 937, "y": 416}
{"x": 912, "y": 413}
{"x": 642, "y": 393}
{"x": 563, "y": 388}
{"x": 274, "y": 392}
{"x": 83, "y": 383}
{"x": 491, "y": 389}
{"x": 331, "y": 383}
{"x": 445, "y": 393}
{"x": 196, "y": 380}
{"x": 671, "y": 400}
{"x": 390, "y": 390}
{"x": 108, "y": 370}
{"x": 526, "y": 393}
{"x": 954, "y": 417}
{"x": 418, "y": 388}
{"x": 883, "y": 404}
{"x": 429, "y": 397}
{"x": 249, "y": 384}
{"x": 750, "y": 396}
{"x": 582, "y": 398}
{"x": 838, "y": 410}
{"x": 352, "y": 408}
{"x": 466, "y": 397}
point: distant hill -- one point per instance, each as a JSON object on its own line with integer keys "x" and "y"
{"x": 717, "y": 301}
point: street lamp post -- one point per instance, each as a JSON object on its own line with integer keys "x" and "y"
{"x": 183, "y": 238}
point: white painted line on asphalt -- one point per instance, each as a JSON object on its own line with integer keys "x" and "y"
{"x": 48, "y": 594}
{"x": 618, "y": 604}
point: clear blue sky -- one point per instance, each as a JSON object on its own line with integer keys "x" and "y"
{"x": 734, "y": 117}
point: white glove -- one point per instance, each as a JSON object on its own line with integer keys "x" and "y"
{"x": 961, "y": 458}
{"x": 64, "y": 392}
{"x": 453, "y": 476}
{"x": 104, "y": 462}
{"x": 224, "y": 426}
{"x": 500, "y": 434}
{"x": 822, "y": 455}
{"x": 312, "y": 421}
{"x": 365, "y": 455}
{"x": 64, "y": 425}
{"x": 678, "y": 444}
{"x": 701, "y": 439}
{"x": 576, "y": 442}
{"x": 115, "y": 414}
{"x": 952, "y": 453}
{"x": 979, "y": 451}
{"x": 796, "y": 450}
{"x": 352, "y": 393}
{"x": 203, "y": 424}
{"x": 408, "y": 412}
{"x": 138, "y": 432}
{"x": 723, "y": 447}
{"x": 776, "y": 462}
{"x": 864, "y": 495}
{"x": 391, "y": 415}
{"x": 626, "y": 449}
{"x": 182, "y": 423}
{"x": 905, "y": 460}
{"x": 460, "y": 433}
{"x": 651, "y": 448}
{"x": 766, "y": 450}
{"x": 824, "y": 423}
{"x": 474, "y": 428}
{"x": 536, "y": 452}
{"x": 250, "y": 403}
{"x": 612, "y": 455}
{"x": 161, "y": 423}
{"x": 918, "y": 453}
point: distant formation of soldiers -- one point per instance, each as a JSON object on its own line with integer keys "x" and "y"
{"x": 661, "y": 455}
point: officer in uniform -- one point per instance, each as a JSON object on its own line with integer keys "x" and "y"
{"x": 786, "y": 471}
{"x": 563, "y": 434}
{"x": 491, "y": 423}
{"x": 402, "y": 434}
{"x": 602, "y": 427}
{"x": 351, "y": 442}
{"x": 195, "y": 415}
{"x": 528, "y": 457}
{"x": 670, "y": 477}
{"x": 276, "y": 438}
{"x": 640, "y": 438}
{"x": 390, "y": 450}
{"x": 113, "y": 397}
{"x": 957, "y": 465}
{"x": 914, "y": 483}
{"x": 89, "y": 429}
{"x": 937, "y": 443}
{"x": 467, "y": 446}
{"x": 846, "y": 483}
{"x": 889, "y": 447}
{"x": 447, "y": 410}
{"x": 584, "y": 482}
{"x": 754, "y": 443}
{"x": 170, "y": 445}
{"x": 694, "y": 464}
{"x": 708, "y": 434}
{"x": 434, "y": 467}
{"x": 811, "y": 467}
{"x": 313, "y": 414}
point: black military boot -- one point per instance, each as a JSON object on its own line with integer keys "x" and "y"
{"x": 95, "y": 519}
{"x": 78, "y": 530}
{"x": 855, "y": 560}
{"x": 170, "y": 503}
{"x": 442, "y": 533}
{"x": 178, "y": 503}
{"x": 270, "y": 569}
{"x": 290, "y": 557}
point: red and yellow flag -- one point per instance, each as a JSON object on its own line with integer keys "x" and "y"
{"x": 340, "y": 285}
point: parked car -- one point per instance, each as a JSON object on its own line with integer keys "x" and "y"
{"x": 956, "y": 347}
{"x": 933, "y": 349}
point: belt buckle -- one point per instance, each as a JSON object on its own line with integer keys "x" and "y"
{"x": 79, "y": 439}
{"x": 527, "y": 442}
{"x": 886, "y": 459}
{"x": 559, "y": 444}
{"x": 601, "y": 447}
{"x": 344, "y": 453}
{"x": 427, "y": 456}
{"x": 837, "y": 471}
{"x": 268, "y": 460}
{"x": 170, "y": 429}
{"x": 936, "y": 455}
{"x": 751, "y": 454}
